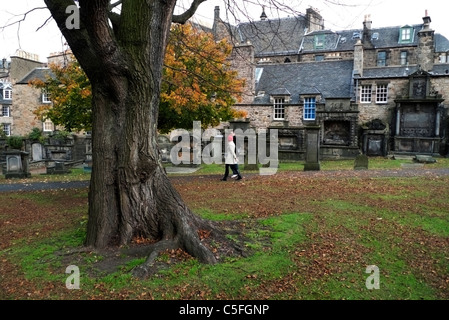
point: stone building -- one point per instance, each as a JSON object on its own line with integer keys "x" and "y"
{"x": 378, "y": 91}
{"x": 19, "y": 100}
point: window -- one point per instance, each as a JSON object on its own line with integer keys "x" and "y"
{"x": 319, "y": 41}
{"x": 46, "y": 97}
{"x": 404, "y": 58}
{"x": 319, "y": 57}
{"x": 7, "y": 94}
{"x": 381, "y": 59}
{"x": 356, "y": 35}
{"x": 309, "y": 108}
{"x": 365, "y": 94}
{"x": 279, "y": 108}
{"x": 382, "y": 93}
{"x": 406, "y": 35}
{"x": 47, "y": 125}
{"x": 5, "y": 111}
{"x": 7, "y": 129}
{"x": 259, "y": 72}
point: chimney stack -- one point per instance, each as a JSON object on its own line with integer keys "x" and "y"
{"x": 368, "y": 22}
{"x": 426, "y": 19}
{"x": 426, "y": 45}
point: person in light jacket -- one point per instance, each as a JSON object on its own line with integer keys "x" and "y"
{"x": 231, "y": 160}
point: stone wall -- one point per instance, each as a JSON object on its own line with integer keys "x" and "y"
{"x": 242, "y": 60}
{"x": 261, "y": 116}
{"x": 20, "y": 67}
{"x": 385, "y": 111}
{"x": 26, "y": 100}
{"x": 311, "y": 57}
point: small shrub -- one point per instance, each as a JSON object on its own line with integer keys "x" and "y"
{"x": 36, "y": 135}
{"x": 15, "y": 142}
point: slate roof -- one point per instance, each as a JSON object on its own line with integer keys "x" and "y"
{"x": 37, "y": 73}
{"x": 345, "y": 40}
{"x": 388, "y": 72}
{"x": 441, "y": 43}
{"x": 440, "y": 69}
{"x": 280, "y": 36}
{"x": 387, "y": 37}
{"x": 331, "y": 79}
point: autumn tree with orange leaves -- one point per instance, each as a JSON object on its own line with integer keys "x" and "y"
{"x": 71, "y": 96}
{"x": 198, "y": 85}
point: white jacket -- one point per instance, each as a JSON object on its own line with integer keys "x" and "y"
{"x": 230, "y": 155}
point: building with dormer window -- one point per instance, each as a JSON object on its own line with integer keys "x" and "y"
{"x": 378, "y": 91}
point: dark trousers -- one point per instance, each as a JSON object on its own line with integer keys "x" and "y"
{"x": 234, "y": 168}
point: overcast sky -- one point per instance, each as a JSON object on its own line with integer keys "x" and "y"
{"x": 338, "y": 15}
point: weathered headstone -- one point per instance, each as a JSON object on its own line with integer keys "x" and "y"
{"x": 58, "y": 168}
{"x": 361, "y": 162}
{"x": 36, "y": 151}
{"x": 312, "y": 149}
{"x": 17, "y": 164}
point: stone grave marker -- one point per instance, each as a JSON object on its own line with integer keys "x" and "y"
{"x": 361, "y": 162}
{"x": 312, "y": 149}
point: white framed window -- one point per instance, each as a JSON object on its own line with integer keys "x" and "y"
{"x": 404, "y": 58}
{"x": 309, "y": 108}
{"x": 7, "y": 129}
{"x": 5, "y": 111}
{"x": 366, "y": 93}
{"x": 405, "y": 35}
{"x": 46, "y": 97}
{"x": 279, "y": 108}
{"x": 7, "y": 94}
{"x": 47, "y": 125}
{"x": 382, "y": 93}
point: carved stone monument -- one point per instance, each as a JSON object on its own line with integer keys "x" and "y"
{"x": 312, "y": 148}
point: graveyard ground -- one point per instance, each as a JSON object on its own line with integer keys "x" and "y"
{"x": 307, "y": 236}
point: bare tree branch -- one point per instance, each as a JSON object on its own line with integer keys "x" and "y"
{"x": 115, "y": 4}
{"x": 23, "y": 18}
{"x": 45, "y": 23}
{"x": 182, "y": 18}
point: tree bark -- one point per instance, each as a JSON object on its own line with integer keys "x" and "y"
{"x": 130, "y": 193}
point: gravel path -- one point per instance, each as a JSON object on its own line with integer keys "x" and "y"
{"x": 405, "y": 172}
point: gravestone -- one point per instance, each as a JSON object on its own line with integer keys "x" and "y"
{"x": 17, "y": 164}
{"x": 58, "y": 168}
{"x": 425, "y": 159}
{"x": 165, "y": 146}
{"x": 36, "y": 151}
{"x": 312, "y": 149}
{"x": 361, "y": 162}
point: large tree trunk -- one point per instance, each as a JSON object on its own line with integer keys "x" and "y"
{"x": 130, "y": 194}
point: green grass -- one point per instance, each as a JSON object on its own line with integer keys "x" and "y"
{"x": 319, "y": 251}
{"x": 76, "y": 174}
{"x": 211, "y": 215}
{"x": 375, "y": 163}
